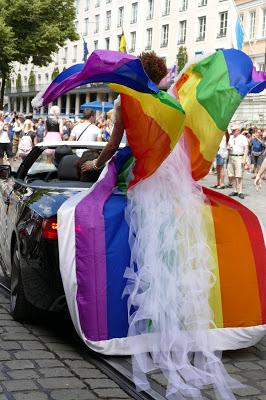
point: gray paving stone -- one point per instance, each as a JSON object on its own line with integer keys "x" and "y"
{"x": 17, "y": 329}
{"x": 8, "y": 322}
{"x": 111, "y": 393}
{"x": 3, "y": 377}
{"x": 256, "y": 374}
{"x": 79, "y": 364}
{"x": 159, "y": 378}
{"x": 33, "y": 354}
{"x": 72, "y": 394}
{"x": 19, "y": 364}
{"x": 30, "y": 396}
{"x": 61, "y": 383}
{"x": 34, "y": 345}
{"x": 23, "y": 374}
{"x": 9, "y": 345}
{"x": 262, "y": 397}
{"x": 89, "y": 373}
{"x": 70, "y": 355}
{"x": 3, "y": 397}
{"x": 248, "y": 365}
{"x": 246, "y": 391}
{"x": 262, "y": 384}
{"x": 52, "y": 372}
{"x": 60, "y": 347}
{"x": 4, "y": 314}
{"x": 101, "y": 383}
{"x": 19, "y": 385}
{"x": 17, "y": 336}
{"x": 49, "y": 363}
{"x": 4, "y": 355}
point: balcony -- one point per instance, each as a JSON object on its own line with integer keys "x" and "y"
{"x": 221, "y": 35}
{"x": 164, "y": 43}
{"x": 148, "y": 47}
{"x": 181, "y": 41}
{"x": 200, "y": 38}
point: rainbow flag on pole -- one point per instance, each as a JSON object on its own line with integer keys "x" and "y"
{"x": 210, "y": 91}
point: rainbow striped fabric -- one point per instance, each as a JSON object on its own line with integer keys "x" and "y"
{"x": 153, "y": 119}
{"x": 102, "y": 253}
{"x": 210, "y": 91}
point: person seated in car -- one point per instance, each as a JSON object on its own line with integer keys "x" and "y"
{"x": 88, "y": 176}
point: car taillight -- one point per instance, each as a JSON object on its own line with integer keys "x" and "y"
{"x": 49, "y": 229}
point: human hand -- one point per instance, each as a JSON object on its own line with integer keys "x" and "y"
{"x": 87, "y": 166}
{"x": 257, "y": 182}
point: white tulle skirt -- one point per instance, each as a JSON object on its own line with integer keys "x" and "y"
{"x": 168, "y": 291}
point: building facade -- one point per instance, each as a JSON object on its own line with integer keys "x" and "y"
{"x": 202, "y": 26}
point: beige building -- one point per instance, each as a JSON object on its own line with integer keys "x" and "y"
{"x": 253, "y": 17}
{"x": 203, "y": 26}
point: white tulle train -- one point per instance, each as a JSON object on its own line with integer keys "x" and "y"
{"x": 169, "y": 292}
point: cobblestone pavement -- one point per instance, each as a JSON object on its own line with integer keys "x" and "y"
{"x": 39, "y": 363}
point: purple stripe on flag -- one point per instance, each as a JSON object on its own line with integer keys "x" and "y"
{"x": 91, "y": 258}
{"x": 258, "y": 76}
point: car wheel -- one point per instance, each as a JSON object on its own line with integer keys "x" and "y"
{"x": 20, "y": 308}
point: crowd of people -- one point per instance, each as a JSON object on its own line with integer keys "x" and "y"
{"x": 19, "y": 133}
{"x": 240, "y": 150}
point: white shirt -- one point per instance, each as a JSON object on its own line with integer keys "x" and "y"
{"x": 4, "y": 138}
{"x": 237, "y": 144}
{"x": 89, "y": 135}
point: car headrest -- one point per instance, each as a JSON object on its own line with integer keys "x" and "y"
{"x": 67, "y": 168}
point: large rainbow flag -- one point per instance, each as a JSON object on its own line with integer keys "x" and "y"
{"x": 210, "y": 91}
{"x": 94, "y": 254}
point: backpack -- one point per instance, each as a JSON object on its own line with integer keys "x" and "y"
{"x": 25, "y": 146}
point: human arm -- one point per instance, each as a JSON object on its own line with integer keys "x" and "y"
{"x": 257, "y": 181}
{"x": 109, "y": 149}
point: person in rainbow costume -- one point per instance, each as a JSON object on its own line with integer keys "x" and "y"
{"x": 148, "y": 230}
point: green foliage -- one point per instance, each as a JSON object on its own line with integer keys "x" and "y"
{"x": 8, "y": 84}
{"x": 32, "y": 78}
{"x": 19, "y": 81}
{"x": 181, "y": 58}
{"x": 55, "y": 73}
{"x": 32, "y": 31}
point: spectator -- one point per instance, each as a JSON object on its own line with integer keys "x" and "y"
{"x": 86, "y": 130}
{"x": 238, "y": 152}
{"x": 18, "y": 124}
{"x": 27, "y": 139}
{"x": 5, "y": 144}
{"x": 258, "y": 179}
{"x": 40, "y": 127}
{"x": 257, "y": 146}
{"x": 221, "y": 159}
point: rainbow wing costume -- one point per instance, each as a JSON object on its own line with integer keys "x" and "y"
{"x": 93, "y": 233}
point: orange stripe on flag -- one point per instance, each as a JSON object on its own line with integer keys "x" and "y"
{"x": 237, "y": 268}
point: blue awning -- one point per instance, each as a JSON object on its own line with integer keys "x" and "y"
{"x": 98, "y": 105}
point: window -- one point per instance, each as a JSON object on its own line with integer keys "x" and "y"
{"x": 183, "y": 5}
{"x": 97, "y": 23}
{"x": 65, "y": 55}
{"x": 164, "y": 36}
{"x": 150, "y": 9}
{"x": 39, "y": 78}
{"x": 46, "y": 77}
{"x": 87, "y": 5}
{"x": 95, "y": 43}
{"x": 76, "y": 25}
{"x": 132, "y": 41}
{"x": 134, "y": 13}
{"x": 241, "y": 16}
{"x": 108, "y": 20}
{"x": 86, "y": 26}
{"x": 202, "y": 3}
{"x": 148, "y": 39}
{"x": 202, "y": 28}
{"x": 120, "y": 17}
{"x": 223, "y": 24}
{"x": 77, "y": 6}
{"x": 75, "y": 53}
{"x": 198, "y": 53}
{"x": 97, "y": 3}
{"x": 261, "y": 67}
{"x": 182, "y": 32}
{"x": 108, "y": 1}
{"x": 107, "y": 43}
{"x": 252, "y": 17}
{"x": 264, "y": 23}
{"x": 166, "y": 10}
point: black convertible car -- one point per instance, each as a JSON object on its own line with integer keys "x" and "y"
{"x": 29, "y": 201}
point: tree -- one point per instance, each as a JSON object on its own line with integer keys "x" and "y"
{"x": 181, "y": 58}
{"x": 32, "y": 79}
{"x": 32, "y": 31}
{"x": 55, "y": 73}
